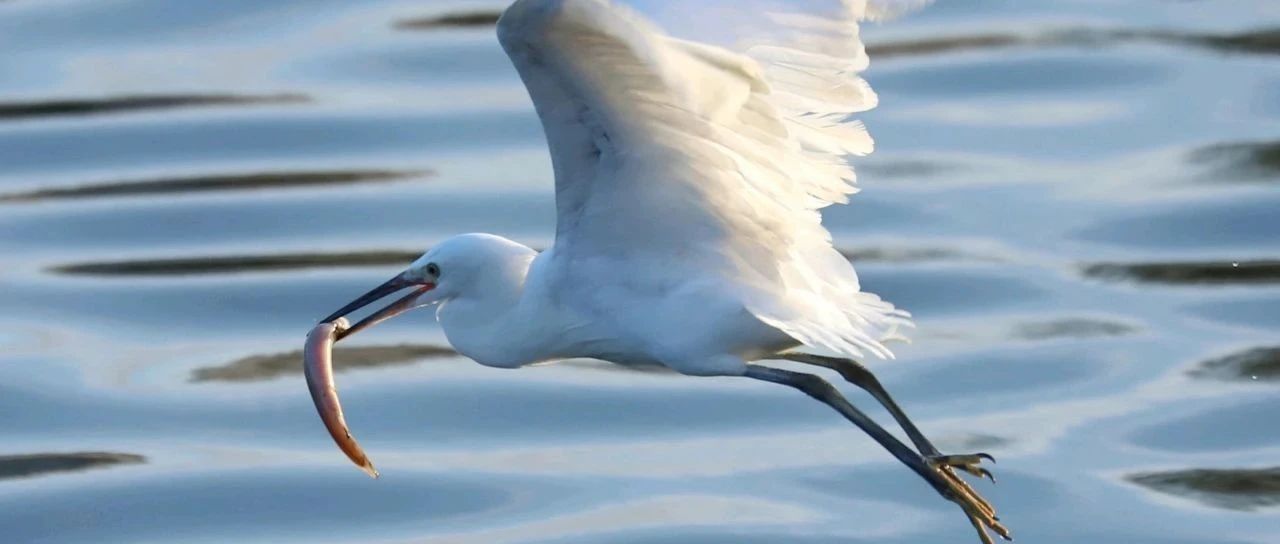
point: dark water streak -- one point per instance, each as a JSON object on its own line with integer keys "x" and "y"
{"x": 1234, "y": 489}
{"x": 1252, "y": 365}
{"x": 267, "y": 367}
{"x": 40, "y": 464}
{"x": 201, "y": 184}
{"x": 122, "y": 104}
{"x": 1190, "y": 273}
{"x": 1250, "y": 161}
{"x": 280, "y": 262}
{"x": 451, "y": 20}
{"x": 1264, "y": 41}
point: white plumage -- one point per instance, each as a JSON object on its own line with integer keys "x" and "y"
{"x": 709, "y": 158}
{"x": 694, "y": 143}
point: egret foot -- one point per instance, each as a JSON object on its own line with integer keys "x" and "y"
{"x": 980, "y": 512}
{"x": 938, "y": 470}
{"x": 970, "y": 463}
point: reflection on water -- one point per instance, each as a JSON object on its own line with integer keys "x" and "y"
{"x": 1262, "y": 41}
{"x": 451, "y": 20}
{"x": 63, "y": 107}
{"x": 199, "y": 184}
{"x": 1257, "y": 364}
{"x": 37, "y": 464}
{"x": 1257, "y": 41}
{"x": 1071, "y": 200}
{"x": 267, "y": 367}
{"x": 907, "y": 168}
{"x": 231, "y": 264}
{"x": 944, "y": 45}
{"x": 1252, "y": 161}
{"x": 901, "y": 255}
{"x": 1236, "y": 489}
{"x": 1070, "y": 328}
{"x": 1221, "y": 272}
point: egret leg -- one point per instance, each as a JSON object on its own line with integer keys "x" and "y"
{"x": 855, "y": 373}
{"x": 979, "y": 511}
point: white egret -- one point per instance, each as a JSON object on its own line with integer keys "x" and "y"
{"x": 693, "y": 145}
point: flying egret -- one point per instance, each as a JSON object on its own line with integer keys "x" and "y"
{"x": 693, "y": 145}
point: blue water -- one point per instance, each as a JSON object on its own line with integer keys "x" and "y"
{"x": 1078, "y": 200}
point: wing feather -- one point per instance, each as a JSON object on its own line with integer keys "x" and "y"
{"x": 718, "y": 151}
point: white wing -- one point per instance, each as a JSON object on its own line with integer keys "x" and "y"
{"x": 712, "y": 156}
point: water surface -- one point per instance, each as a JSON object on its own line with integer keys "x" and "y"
{"x": 1078, "y": 200}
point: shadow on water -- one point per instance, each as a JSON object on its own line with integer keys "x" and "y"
{"x": 930, "y": 46}
{"x": 36, "y": 464}
{"x": 1260, "y": 41}
{"x": 1212, "y": 272}
{"x": 99, "y": 106}
{"x": 896, "y": 255}
{"x": 451, "y": 20}
{"x": 267, "y": 367}
{"x": 239, "y": 264}
{"x": 1255, "y": 364}
{"x": 906, "y": 168}
{"x": 232, "y": 264}
{"x": 1241, "y": 161}
{"x": 199, "y": 184}
{"x": 1071, "y": 327}
{"x": 1234, "y": 489}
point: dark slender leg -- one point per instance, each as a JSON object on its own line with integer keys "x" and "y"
{"x": 853, "y": 372}
{"x": 818, "y": 388}
{"x": 978, "y": 510}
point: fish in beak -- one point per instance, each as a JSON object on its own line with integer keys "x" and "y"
{"x": 317, "y": 358}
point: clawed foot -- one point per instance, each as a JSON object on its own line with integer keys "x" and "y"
{"x": 970, "y": 463}
{"x": 981, "y": 514}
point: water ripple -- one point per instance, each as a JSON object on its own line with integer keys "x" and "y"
{"x": 1241, "y": 161}
{"x": 199, "y": 184}
{"x": 451, "y": 20}
{"x": 119, "y": 104}
{"x": 233, "y": 264}
{"x": 266, "y": 367}
{"x": 1234, "y": 489}
{"x": 1186, "y": 273}
{"x": 37, "y": 464}
{"x": 1263, "y": 41}
{"x": 1070, "y": 327}
{"x": 1261, "y": 363}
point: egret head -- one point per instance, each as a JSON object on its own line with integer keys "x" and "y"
{"x": 469, "y": 265}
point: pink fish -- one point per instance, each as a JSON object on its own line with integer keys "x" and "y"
{"x": 317, "y": 363}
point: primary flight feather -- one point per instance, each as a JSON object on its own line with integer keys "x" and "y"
{"x": 719, "y": 153}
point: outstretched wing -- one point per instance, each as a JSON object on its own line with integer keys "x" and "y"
{"x": 712, "y": 155}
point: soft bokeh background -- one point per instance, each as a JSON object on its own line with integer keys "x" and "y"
{"x": 1079, "y": 200}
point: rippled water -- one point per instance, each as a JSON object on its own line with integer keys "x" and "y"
{"x": 1079, "y": 200}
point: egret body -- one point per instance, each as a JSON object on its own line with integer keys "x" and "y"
{"x": 693, "y": 145}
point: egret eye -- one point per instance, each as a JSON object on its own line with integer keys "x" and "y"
{"x": 433, "y": 269}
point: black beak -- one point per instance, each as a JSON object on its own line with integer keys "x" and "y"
{"x": 400, "y": 306}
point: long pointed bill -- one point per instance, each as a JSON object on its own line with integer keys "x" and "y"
{"x": 396, "y": 308}
{"x": 317, "y": 359}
